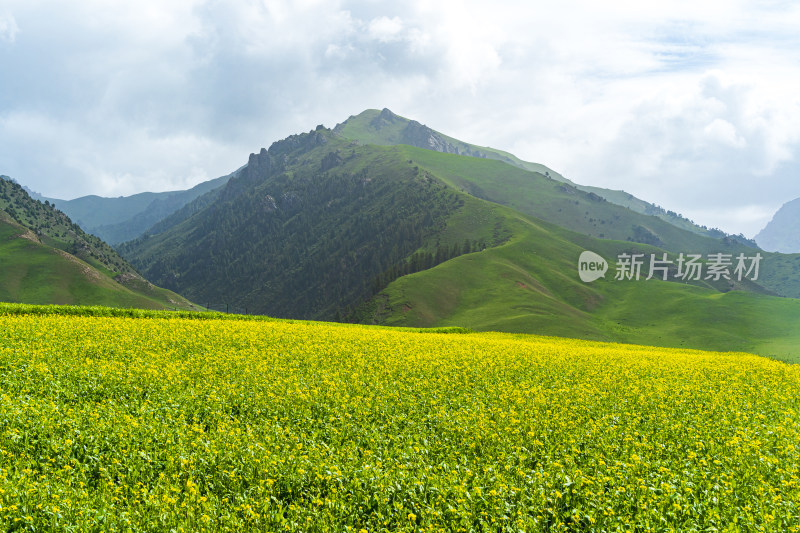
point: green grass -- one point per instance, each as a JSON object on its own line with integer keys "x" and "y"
{"x": 34, "y": 273}
{"x": 531, "y": 285}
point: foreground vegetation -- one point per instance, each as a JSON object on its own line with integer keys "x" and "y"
{"x": 165, "y": 422}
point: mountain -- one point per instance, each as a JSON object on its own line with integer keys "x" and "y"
{"x": 305, "y": 229}
{"x": 124, "y": 218}
{"x": 327, "y": 225}
{"x": 780, "y": 234}
{"x": 530, "y": 283}
{"x": 542, "y": 193}
{"x": 45, "y": 258}
{"x": 386, "y": 128}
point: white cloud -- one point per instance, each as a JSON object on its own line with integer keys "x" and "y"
{"x": 723, "y": 132}
{"x": 691, "y": 105}
{"x": 386, "y": 29}
{"x": 702, "y": 146}
{"x": 107, "y": 158}
{"x": 734, "y": 219}
{"x": 8, "y": 28}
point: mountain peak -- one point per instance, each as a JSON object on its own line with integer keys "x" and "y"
{"x": 385, "y": 118}
{"x": 780, "y": 234}
{"x": 387, "y": 128}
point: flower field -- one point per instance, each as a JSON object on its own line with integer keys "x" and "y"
{"x": 186, "y": 424}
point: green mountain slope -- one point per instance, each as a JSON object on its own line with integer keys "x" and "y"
{"x": 530, "y": 284}
{"x": 633, "y": 203}
{"x": 548, "y": 196}
{"x": 308, "y": 229}
{"x": 556, "y": 202}
{"x": 121, "y": 219}
{"x": 47, "y": 259}
{"x": 386, "y": 128}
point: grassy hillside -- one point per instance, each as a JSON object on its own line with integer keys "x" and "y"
{"x": 175, "y": 424}
{"x": 530, "y": 284}
{"x": 46, "y": 259}
{"x": 37, "y": 274}
{"x": 562, "y": 204}
{"x": 625, "y": 199}
{"x": 585, "y": 212}
{"x": 387, "y": 129}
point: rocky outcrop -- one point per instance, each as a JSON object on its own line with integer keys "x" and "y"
{"x": 422, "y": 136}
{"x": 331, "y": 160}
{"x": 384, "y": 118}
{"x": 268, "y": 162}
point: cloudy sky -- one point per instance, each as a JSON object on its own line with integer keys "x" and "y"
{"x": 693, "y": 105}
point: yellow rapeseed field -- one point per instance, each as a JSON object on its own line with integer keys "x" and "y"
{"x": 158, "y": 424}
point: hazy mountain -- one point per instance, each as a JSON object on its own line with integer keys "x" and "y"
{"x": 124, "y": 218}
{"x": 781, "y": 233}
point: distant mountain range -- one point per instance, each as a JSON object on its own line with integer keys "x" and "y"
{"x": 782, "y": 233}
{"x": 124, "y": 218}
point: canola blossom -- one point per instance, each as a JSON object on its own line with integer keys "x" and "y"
{"x": 159, "y": 424}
